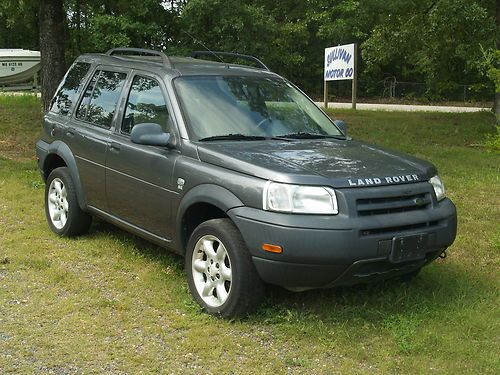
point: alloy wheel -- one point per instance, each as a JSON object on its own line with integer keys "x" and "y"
{"x": 212, "y": 273}
{"x": 58, "y": 203}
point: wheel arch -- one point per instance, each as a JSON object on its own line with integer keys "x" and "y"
{"x": 60, "y": 155}
{"x": 202, "y": 203}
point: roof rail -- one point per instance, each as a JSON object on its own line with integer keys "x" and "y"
{"x": 142, "y": 51}
{"x": 254, "y": 59}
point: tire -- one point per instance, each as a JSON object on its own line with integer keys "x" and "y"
{"x": 64, "y": 215}
{"x": 408, "y": 277}
{"x": 217, "y": 259}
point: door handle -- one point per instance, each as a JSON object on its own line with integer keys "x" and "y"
{"x": 114, "y": 147}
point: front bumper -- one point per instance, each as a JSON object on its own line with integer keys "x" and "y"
{"x": 42, "y": 150}
{"x": 325, "y": 251}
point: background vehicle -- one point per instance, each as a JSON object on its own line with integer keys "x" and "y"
{"x": 18, "y": 65}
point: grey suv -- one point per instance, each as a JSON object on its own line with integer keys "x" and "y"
{"x": 237, "y": 170}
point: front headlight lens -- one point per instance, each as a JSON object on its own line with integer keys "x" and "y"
{"x": 299, "y": 199}
{"x": 438, "y": 187}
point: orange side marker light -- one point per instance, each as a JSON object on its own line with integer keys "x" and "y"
{"x": 272, "y": 248}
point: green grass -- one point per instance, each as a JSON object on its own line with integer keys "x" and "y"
{"x": 110, "y": 302}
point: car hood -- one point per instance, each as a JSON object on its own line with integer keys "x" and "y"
{"x": 338, "y": 163}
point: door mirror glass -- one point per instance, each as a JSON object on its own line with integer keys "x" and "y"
{"x": 342, "y": 125}
{"x": 150, "y": 134}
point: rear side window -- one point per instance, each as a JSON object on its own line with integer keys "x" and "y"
{"x": 67, "y": 95}
{"x": 100, "y": 98}
{"x": 145, "y": 104}
{"x": 81, "y": 112}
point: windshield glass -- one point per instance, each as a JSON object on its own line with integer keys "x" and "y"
{"x": 248, "y": 106}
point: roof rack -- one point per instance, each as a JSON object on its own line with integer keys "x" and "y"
{"x": 141, "y": 51}
{"x": 196, "y": 54}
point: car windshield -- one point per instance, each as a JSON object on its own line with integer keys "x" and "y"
{"x": 249, "y": 108}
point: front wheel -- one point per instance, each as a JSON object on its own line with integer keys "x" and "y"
{"x": 63, "y": 213}
{"x": 221, "y": 275}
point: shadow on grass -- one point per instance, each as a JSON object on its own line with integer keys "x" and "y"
{"x": 441, "y": 288}
{"x": 132, "y": 242}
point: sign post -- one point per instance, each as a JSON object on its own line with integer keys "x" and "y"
{"x": 325, "y": 92}
{"x": 355, "y": 77}
{"x": 341, "y": 64}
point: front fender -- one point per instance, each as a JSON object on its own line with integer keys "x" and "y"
{"x": 215, "y": 195}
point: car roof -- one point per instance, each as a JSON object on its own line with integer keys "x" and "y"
{"x": 176, "y": 66}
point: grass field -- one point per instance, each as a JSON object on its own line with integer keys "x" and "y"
{"x": 112, "y": 303}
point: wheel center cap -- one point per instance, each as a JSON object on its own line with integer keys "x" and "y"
{"x": 212, "y": 270}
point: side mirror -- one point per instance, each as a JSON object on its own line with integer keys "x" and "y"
{"x": 150, "y": 134}
{"x": 342, "y": 125}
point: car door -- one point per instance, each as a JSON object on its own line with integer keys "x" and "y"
{"x": 139, "y": 186}
{"x": 93, "y": 121}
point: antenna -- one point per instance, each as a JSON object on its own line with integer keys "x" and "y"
{"x": 204, "y": 46}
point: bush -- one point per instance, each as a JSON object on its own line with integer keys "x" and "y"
{"x": 492, "y": 142}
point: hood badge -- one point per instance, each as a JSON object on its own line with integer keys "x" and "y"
{"x": 180, "y": 183}
{"x": 382, "y": 180}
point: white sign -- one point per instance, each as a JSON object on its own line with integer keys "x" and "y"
{"x": 339, "y": 63}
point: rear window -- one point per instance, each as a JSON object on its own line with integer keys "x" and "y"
{"x": 67, "y": 94}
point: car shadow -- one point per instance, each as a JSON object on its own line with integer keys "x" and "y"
{"x": 147, "y": 249}
{"x": 441, "y": 286}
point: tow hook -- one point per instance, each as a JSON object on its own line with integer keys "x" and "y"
{"x": 443, "y": 255}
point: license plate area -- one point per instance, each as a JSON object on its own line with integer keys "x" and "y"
{"x": 406, "y": 248}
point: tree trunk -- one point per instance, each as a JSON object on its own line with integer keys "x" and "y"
{"x": 496, "y": 107}
{"x": 78, "y": 6}
{"x": 496, "y": 104}
{"x": 52, "y": 19}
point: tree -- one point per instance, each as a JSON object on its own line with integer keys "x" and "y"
{"x": 432, "y": 41}
{"x": 493, "y": 71}
{"x": 52, "y": 20}
{"x": 491, "y": 66}
{"x": 19, "y": 24}
{"x": 435, "y": 41}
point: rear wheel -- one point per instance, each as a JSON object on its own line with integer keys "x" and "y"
{"x": 63, "y": 213}
{"x": 221, "y": 274}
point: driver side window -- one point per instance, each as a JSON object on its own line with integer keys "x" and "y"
{"x": 145, "y": 104}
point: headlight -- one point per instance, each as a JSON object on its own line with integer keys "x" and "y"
{"x": 438, "y": 186}
{"x": 299, "y": 199}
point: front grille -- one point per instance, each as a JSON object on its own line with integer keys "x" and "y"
{"x": 391, "y": 205}
{"x": 399, "y": 228}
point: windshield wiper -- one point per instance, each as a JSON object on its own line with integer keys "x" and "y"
{"x": 305, "y": 135}
{"x": 242, "y": 137}
{"x": 233, "y": 137}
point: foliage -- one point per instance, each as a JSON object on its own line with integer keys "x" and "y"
{"x": 491, "y": 65}
{"x": 98, "y": 26}
{"x": 433, "y": 41}
{"x": 19, "y": 24}
{"x": 247, "y": 27}
{"x": 437, "y": 42}
{"x": 492, "y": 142}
